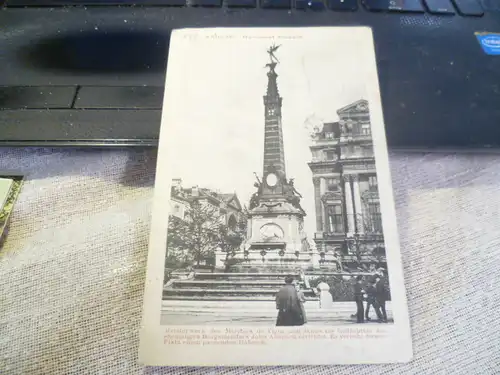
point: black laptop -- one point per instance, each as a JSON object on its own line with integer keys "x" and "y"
{"x": 91, "y": 73}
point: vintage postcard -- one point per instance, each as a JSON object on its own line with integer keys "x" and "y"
{"x": 273, "y": 236}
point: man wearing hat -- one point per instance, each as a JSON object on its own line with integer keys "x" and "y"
{"x": 288, "y": 305}
{"x": 381, "y": 294}
{"x": 358, "y": 298}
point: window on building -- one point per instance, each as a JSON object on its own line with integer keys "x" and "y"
{"x": 330, "y": 155}
{"x": 335, "y": 219}
{"x": 316, "y": 155}
{"x": 348, "y": 151}
{"x": 375, "y": 216}
{"x": 329, "y": 135}
{"x": 367, "y": 151}
{"x": 324, "y": 170}
{"x": 366, "y": 130}
{"x": 372, "y": 183}
{"x": 332, "y": 184}
{"x": 177, "y": 209}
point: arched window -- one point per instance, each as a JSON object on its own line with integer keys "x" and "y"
{"x": 231, "y": 223}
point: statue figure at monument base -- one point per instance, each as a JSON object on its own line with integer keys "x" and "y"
{"x": 325, "y": 297}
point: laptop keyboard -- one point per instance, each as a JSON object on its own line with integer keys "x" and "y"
{"x": 413, "y": 6}
{"x": 439, "y": 7}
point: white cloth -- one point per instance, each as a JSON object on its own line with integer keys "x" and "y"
{"x": 73, "y": 266}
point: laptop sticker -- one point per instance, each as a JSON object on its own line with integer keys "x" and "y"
{"x": 490, "y": 42}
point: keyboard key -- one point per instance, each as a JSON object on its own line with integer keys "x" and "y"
{"x": 178, "y": 3}
{"x": 57, "y": 3}
{"x": 310, "y": 4}
{"x": 469, "y": 7}
{"x": 30, "y": 97}
{"x": 282, "y": 4}
{"x": 69, "y": 126}
{"x": 241, "y": 3}
{"x": 394, "y": 5}
{"x": 128, "y": 97}
{"x": 343, "y": 4}
{"x": 207, "y": 3}
{"x": 439, "y": 6}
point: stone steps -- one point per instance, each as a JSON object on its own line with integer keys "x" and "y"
{"x": 219, "y": 298}
{"x": 248, "y": 305}
{"x": 219, "y": 292}
{"x": 235, "y": 282}
{"x": 244, "y": 276}
{"x": 228, "y": 284}
{"x": 168, "y": 297}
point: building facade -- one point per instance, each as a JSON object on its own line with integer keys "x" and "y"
{"x": 349, "y": 231}
{"x": 216, "y": 208}
{"x": 226, "y": 204}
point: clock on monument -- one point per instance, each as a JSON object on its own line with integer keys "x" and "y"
{"x": 271, "y": 180}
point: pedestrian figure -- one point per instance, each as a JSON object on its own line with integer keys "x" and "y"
{"x": 358, "y": 298}
{"x": 381, "y": 295}
{"x": 302, "y": 300}
{"x": 288, "y": 305}
{"x": 371, "y": 300}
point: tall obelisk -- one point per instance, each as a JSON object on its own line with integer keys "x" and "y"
{"x": 274, "y": 153}
{"x": 275, "y": 235}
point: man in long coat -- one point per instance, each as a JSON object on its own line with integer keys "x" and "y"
{"x": 381, "y": 295}
{"x": 288, "y": 305}
{"x": 358, "y": 298}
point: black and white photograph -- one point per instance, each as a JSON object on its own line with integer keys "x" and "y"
{"x": 302, "y": 247}
{"x": 272, "y": 197}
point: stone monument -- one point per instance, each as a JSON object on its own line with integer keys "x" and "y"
{"x": 275, "y": 237}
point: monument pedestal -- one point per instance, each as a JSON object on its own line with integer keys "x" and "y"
{"x": 273, "y": 259}
{"x": 275, "y": 237}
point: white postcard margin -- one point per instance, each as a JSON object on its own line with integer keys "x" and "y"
{"x": 352, "y": 344}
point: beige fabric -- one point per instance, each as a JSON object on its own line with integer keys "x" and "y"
{"x": 72, "y": 268}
